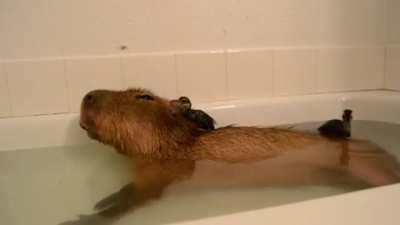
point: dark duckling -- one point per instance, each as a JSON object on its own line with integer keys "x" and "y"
{"x": 338, "y": 128}
{"x": 199, "y": 117}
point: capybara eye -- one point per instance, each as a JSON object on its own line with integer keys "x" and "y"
{"x": 145, "y": 97}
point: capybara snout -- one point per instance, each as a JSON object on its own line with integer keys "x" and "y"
{"x": 91, "y": 106}
{"x": 95, "y": 98}
{"x": 90, "y": 98}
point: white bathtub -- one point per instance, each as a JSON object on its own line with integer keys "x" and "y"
{"x": 375, "y": 206}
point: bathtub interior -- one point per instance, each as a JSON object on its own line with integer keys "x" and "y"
{"x": 57, "y": 140}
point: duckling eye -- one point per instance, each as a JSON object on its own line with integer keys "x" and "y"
{"x": 145, "y": 97}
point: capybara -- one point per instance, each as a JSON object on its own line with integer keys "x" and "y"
{"x": 167, "y": 147}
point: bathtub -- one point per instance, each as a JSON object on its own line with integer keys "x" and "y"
{"x": 373, "y": 206}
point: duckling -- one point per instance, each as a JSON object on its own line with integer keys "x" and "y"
{"x": 202, "y": 119}
{"x": 338, "y": 128}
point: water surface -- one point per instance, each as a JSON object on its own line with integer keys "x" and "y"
{"x": 53, "y": 185}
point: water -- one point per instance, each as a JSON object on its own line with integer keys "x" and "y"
{"x": 54, "y": 185}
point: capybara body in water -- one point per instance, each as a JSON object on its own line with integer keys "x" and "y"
{"x": 166, "y": 147}
{"x": 144, "y": 126}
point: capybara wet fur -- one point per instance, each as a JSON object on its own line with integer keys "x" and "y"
{"x": 145, "y": 126}
{"x": 165, "y": 147}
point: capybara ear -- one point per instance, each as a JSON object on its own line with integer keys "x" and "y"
{"x": 185, "y": 103}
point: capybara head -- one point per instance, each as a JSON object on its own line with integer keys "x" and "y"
{"x": 136, "y": 121}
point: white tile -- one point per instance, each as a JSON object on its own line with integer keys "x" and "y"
{"x": 145, "y": 26}
{"x": 84, "y": 75}
{"x": 202, "y": 76}
{"x": 294, "y": 72}
{"x": 352, "y": 22}
{"x": 4, "y": 98}
{"x": 94, "y": 28}
{"x": 331, "y": 70}
{"x": 250, "y": 74}
{"x": 37, "y": 87}
{"x": 393, "y": 68}
{"x": 154, "y": 72}
{"x": 264, "y": 23}
{"x": 365, "y": 68}
{"x": 346, "y": 69}
{"x": 393, "y": 18}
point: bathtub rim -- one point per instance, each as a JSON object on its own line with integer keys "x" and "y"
{"x": 58, "y": 130}
{"x": 371, "y": 206}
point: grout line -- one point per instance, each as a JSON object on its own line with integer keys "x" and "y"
{"x": 273, "y": 73}
{"x": 386, "y": 32}
{"x": 216, "y": 50}
{"x": 385, "y": 59}
{"x": 67, "y": 86}
{"x": 318, "y": 75}
{"x": 176, "y": 75}
{"x": 316, "y": 66}
{"x": 227, "y": 86}
{"x": 10, "y": 108}
{"x": 219, "y": 101}
{"x": 228, "y": 91}
{"x": 235, "y": 99}
{"x": 39, "y": 115}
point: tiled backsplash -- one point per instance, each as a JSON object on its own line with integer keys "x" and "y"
{"x": 84, "y": 75}
{"x": 295, "y": 72}
{"x": 392, "y": 76}
{"x": 43, "y": 28}
{"x": 202, "y": 76}
{"x": 250, "y": 74}
{"x": 120, "y": 38}
{"x": 392, "y": 57}
{"x": 150, "y": 71}
{"x": 349, "y": 69}
{"x": 4, "y": 95}
{"x": 52, "y": 86}
{"x": 37, "y": 87}
{"x": 393, "y": 19}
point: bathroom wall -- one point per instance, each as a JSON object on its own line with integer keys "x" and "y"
{"x": 393, "y": 46}
{"x": 52, "y": 52}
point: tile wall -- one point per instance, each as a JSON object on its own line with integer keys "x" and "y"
{"x": 392, "y": 59}
{"x": 392, "y": 76}
{"x": 54, "y": 86}
{"x": 259, "y": 49}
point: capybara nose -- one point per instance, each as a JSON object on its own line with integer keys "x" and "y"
{"x": 89, "y": 99}
{"x": 94, "y": 98}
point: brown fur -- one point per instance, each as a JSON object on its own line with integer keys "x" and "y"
{"x": 152, "y": 130}
{"x": 247, "y": 144}
{"x": 140, "y": 128}
{"x": 166, "y": 146}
